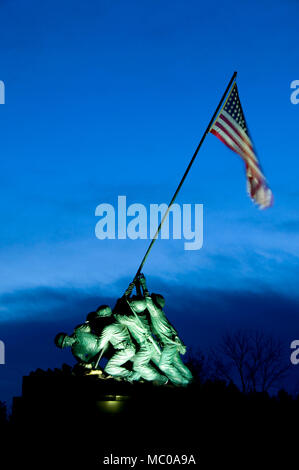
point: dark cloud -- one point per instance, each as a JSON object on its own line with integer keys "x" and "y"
{"x": 49, "y": 304}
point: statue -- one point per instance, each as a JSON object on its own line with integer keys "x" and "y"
{"x": 170, "y": 362}
{"x": 132, "y": 332}
{"x": 130, "y": 312}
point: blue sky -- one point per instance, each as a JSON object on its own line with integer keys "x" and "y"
{"x": 111, "y": 98}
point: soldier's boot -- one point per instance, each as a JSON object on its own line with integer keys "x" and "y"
{"x": 133, "y": 377}
{"x": 173, "y": 374}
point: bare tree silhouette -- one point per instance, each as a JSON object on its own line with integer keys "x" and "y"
{"x": 252, "y": 359}
{"x": 196, "y": 361}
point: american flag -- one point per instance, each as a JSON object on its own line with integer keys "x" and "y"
{"x": 231, "y": 128}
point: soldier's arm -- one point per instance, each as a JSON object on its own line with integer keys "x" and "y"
{"x": 129, "y": 290}
{"x": 178, "y": 340}
{"x": 105, "y": 336}
{"x": 131, "y": 322}
{"x": 122, "y": 319}
{"x": 142, "y": 282}
{"x": 84, "y": 327}
{"x": 176, "y": 337}
{"x": 158, "y": 312}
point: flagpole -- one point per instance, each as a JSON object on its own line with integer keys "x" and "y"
{"x": 186, "y": 173}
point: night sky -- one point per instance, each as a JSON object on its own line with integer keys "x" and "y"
{"x": 111, "y": 98}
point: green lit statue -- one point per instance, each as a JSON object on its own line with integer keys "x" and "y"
{"x": 137, "y": 331}
{"x": 170, "y": 361}
{"x": 130, "y": 311}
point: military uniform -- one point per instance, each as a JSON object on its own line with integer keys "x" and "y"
{"x": 170, "y": 361}
{"x": 118, "y": 336}
{"x": 139, "y": 328}
{"x": 84, "y": 344}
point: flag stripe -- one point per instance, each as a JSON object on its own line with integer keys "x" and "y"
{"x": 234, "y": 131}
{"x": 228, "y": 139}
{"x": 241, "y": 147}
{"x": 239, "y": 130}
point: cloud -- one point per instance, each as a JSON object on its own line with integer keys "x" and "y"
{"x": 46, "y": 303}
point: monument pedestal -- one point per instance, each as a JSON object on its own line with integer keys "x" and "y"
{"x": 86, "y": 420}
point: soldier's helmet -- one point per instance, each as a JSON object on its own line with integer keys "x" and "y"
{"x": 103, "y": 311}
{"x": 92, "y": 316}
{"x": 60, "y": 340}
{"x": 158, "y": 300}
